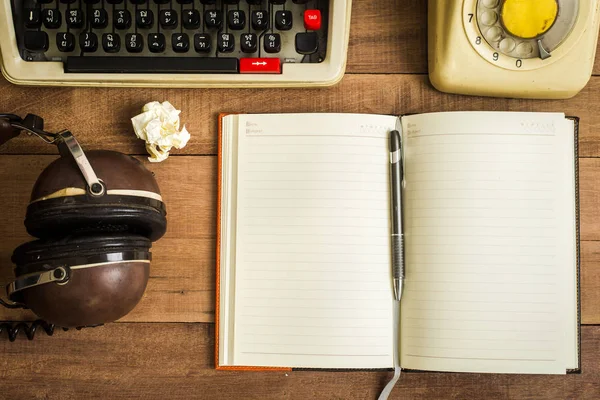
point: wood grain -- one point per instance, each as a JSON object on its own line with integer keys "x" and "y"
{"x": 390, "y": 37}
{"x": 99, "y": 117}
{"x": 156, "y": 352}
{"x": 182, "y": 282}
{"x": 175, "y": 361}
{"x": 589, "y": 190}
{"x": 590, "y": 282}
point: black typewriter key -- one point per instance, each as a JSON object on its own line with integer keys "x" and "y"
{"x": 180, "y": 42}
{"x": 236, "y": 19}
{"x": 185, "y": 1}
{"x": 75, "y": 18}
{"x": 114, "y": 1}
{"x": 249, "y": 42}
{"x": 202, "y": 42}
{"x": 260, "y": 20}
{"x": 91, "y": 1}
{"x": 67, "y": 1}
{"x": 144, "y": 19}
{"x": 213, "y": 18}
{"x": 283, "y": 20}
{"x": 161, "y": 1}
{"x": 168, "y": 19}
{"x": 277, "y": 2}
{"x": 44, "y": 1}
{"x": 254, "y": 2}
{"x": 307, "y": 42}
{"x": 225, "y": 42}
{"x": 88, "y": 42}
{"x": 191, "y": 19}
{"x": 65, "y": 41}
{"x": 122, "y": 19}
{"x": 99, "y": 18}
{"x": 134, "y": 42}
{"x": 111, "y": 42}
{"x": 137, "y": 1}
{"x": 33, "y": 18}
{"x": 51, "y": 18}
{"x": 273, "y": 43}
{"x": 208, "y": 2}
{"x": 156, "y": 42}
{"x": 233, "y": 2}
{"x": 36, "y": 40}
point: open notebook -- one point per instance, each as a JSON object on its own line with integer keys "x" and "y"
{"x": 491, "y": 242}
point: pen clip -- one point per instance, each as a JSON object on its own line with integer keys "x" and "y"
{"x": 399, "y": 127}
{"x": 401, "y": 150}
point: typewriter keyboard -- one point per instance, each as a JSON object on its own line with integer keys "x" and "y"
{"x": 172, "y": 36}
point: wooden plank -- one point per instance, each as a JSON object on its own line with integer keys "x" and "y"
{"x": 181, "y": 285}
{"x": 100, "y": 118}
{"x": 175, "y": 361}
{"x": 589, "y": 194}
{"x": 589, "y": 190}
{"x": 388, "y": 37}
{"x": 590, "y": 282}
{"x": 391, "y": 38}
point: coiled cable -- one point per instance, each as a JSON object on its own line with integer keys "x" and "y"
{"x": 13, "y": 329}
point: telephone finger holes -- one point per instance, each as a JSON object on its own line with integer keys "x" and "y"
{"x": 520, "y": 34}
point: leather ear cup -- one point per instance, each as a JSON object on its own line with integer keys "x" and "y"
{"x": 81, "y": 214}
{"x": 61, "y": 204}
{"x": 105, "y": 277}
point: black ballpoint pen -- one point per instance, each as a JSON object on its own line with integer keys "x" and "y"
{"x": 396, "y": 207}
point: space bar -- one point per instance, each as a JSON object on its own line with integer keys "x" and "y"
{"x": 161, "y": 65}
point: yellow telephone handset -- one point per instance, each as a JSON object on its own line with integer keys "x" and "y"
{"x": 512, "y": 48}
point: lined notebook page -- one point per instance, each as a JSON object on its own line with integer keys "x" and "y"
{"x": 312, "y": 269}
{"x": 489, "y": 221}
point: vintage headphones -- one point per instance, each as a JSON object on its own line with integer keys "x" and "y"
{"x": 96, "y": 214}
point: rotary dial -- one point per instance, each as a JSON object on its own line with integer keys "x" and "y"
{"x": 525, "y": 29}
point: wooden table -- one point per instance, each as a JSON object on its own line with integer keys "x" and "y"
{"x": 164, "y": 348}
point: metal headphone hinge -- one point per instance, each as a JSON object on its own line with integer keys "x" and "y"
{"x": 34, "y": 125}
{"x": 58, "y": 275}
{"x": 95, "y": 185}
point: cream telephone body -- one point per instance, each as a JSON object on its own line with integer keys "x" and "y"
{"x": 541, "y": 49}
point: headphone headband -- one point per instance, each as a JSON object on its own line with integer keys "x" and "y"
{"x": 11, "y": 125}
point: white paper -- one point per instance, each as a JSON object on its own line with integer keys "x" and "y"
{"x": 313, "y": 285}
{"x": 489, "y": 245}
{"x": 158, "y": 125}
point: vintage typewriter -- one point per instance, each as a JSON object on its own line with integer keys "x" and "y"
{"x": 174, "y": 43}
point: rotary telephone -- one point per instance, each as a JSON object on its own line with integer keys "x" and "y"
{"x": 541, "y": 49}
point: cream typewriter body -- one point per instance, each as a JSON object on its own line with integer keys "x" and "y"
{"x": 512, "y": 48}
{"x": 174, "y": 43}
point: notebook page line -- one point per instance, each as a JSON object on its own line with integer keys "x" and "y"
{"x": 298, "y": 190}
{"x": 449, "y": 238}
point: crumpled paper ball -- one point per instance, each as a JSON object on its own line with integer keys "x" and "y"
{"x": 158, "y": 126}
